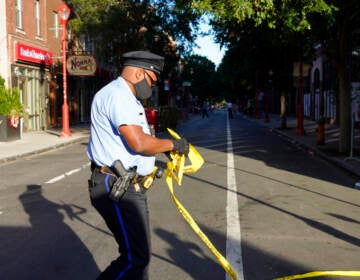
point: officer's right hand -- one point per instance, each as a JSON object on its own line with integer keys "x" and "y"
{"x": 181, "y": 146}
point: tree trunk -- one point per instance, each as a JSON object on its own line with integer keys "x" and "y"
{"x": 344, "y": 91}
{"x": 344, "y": 104}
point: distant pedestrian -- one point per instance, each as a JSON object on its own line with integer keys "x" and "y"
{"x": 230, "y": 110}
{"x": 205, "y": 109}
{"x": 260, "y": 99}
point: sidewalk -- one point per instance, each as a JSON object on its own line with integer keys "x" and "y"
{"x": 328, "y": 151}
{"x": 37, "y": 142}
{"x": 40, "y": 141}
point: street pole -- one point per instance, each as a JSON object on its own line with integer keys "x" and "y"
{"x": 300, "y": 112}
{"x": 267, "y": 95}
{"x": 257, "y": 93}
{"x": 64, "y": 13}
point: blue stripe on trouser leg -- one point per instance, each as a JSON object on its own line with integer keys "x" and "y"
{"x": 128, "y": 220}
{"x": 122, "y": 229}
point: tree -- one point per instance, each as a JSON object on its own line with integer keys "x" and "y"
{"x": 115, "y": 27}
{"x": 250, "y": 57}
{"x": 333, "y": 23}
{"x": 338, "y": 35}
{"x": 200, "y": 71}
{"x": 292, "y": 14}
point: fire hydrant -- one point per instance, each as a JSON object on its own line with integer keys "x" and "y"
{"x": 320, "y": 131}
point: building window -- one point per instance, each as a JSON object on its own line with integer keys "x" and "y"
{"x": 56, "y": 25}
{"x": 37, "y": 17}
{"x": 19, "y": 12}
{"x": 87, "y": 43}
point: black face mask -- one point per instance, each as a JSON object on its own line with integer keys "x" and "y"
{"x": 142, "y": 89}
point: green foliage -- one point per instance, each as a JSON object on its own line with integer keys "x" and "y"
{"x": 200, "y": 71}
{"x": 2, "y": 82}
{"x": 292, "y": 15}
{"x": 270, "y": 34}
{"x": 10, "y": 101}
{"x": 248, "y": 60}
{"x": 125, "y": 25}
{"x": 299, "y": 26}
{"x": 111, "y": 25}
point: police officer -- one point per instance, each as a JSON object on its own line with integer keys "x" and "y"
{"x": 119, "y": 131}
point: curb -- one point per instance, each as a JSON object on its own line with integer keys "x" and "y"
{"x": 42, "y": 150}
{"x": 313, "y": 151}
{"x": 316, "y": 152}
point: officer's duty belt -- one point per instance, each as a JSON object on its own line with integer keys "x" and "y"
{"x": 138, "y": 179}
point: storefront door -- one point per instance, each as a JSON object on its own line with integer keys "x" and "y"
{"x": 33, "y": 89}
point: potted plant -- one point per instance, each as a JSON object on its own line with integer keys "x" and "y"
{"x": 11, "y": 112}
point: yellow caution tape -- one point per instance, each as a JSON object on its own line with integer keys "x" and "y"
{"x": 149, "y": 180}
{"x": 321, "y": 273}
{"x": 178, "y": 167}
{"x": 175, "y": 170}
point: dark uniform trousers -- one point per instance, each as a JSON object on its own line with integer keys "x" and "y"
{"x": 128, "y": 220}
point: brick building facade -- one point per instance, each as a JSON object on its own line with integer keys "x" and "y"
{"x": 30, "y": 45}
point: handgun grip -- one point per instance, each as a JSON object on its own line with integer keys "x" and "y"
{"x": 119, "y": 168}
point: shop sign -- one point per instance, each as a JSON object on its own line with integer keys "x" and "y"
{"x": 31, "y": 54}
{"x": 81, "y": 65}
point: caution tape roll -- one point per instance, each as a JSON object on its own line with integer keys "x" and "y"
{"x": 175, "y": 170}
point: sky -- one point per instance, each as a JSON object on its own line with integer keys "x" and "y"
{"x": 207, "y": 46}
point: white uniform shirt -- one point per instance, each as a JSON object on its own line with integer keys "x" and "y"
{"x": 115, "y": 105}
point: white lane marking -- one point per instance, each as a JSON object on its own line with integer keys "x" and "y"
{"x": 233, "y": 239}
{"x": 72, "y": 171}
{"x": 68, "y": 173}
{"x": 53, "y": 180}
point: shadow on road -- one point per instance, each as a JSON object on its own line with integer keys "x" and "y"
{"x": 189, "y": 257}
{"x": 24, "y": 251}
{"x": 311, "y": 222}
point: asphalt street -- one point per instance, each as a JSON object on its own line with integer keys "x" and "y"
{"x": 297, "y": 213}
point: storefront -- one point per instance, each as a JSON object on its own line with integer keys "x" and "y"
{"x": 82, "y": 85}
{"x": 31, "y": 75}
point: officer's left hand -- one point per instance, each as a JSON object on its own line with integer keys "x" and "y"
{"x": 181, "y": 146}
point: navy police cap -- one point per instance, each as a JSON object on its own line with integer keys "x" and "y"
{"x": 145, "y": 60}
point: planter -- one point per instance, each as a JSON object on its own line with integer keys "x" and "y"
{"x": 9, "y": 131}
